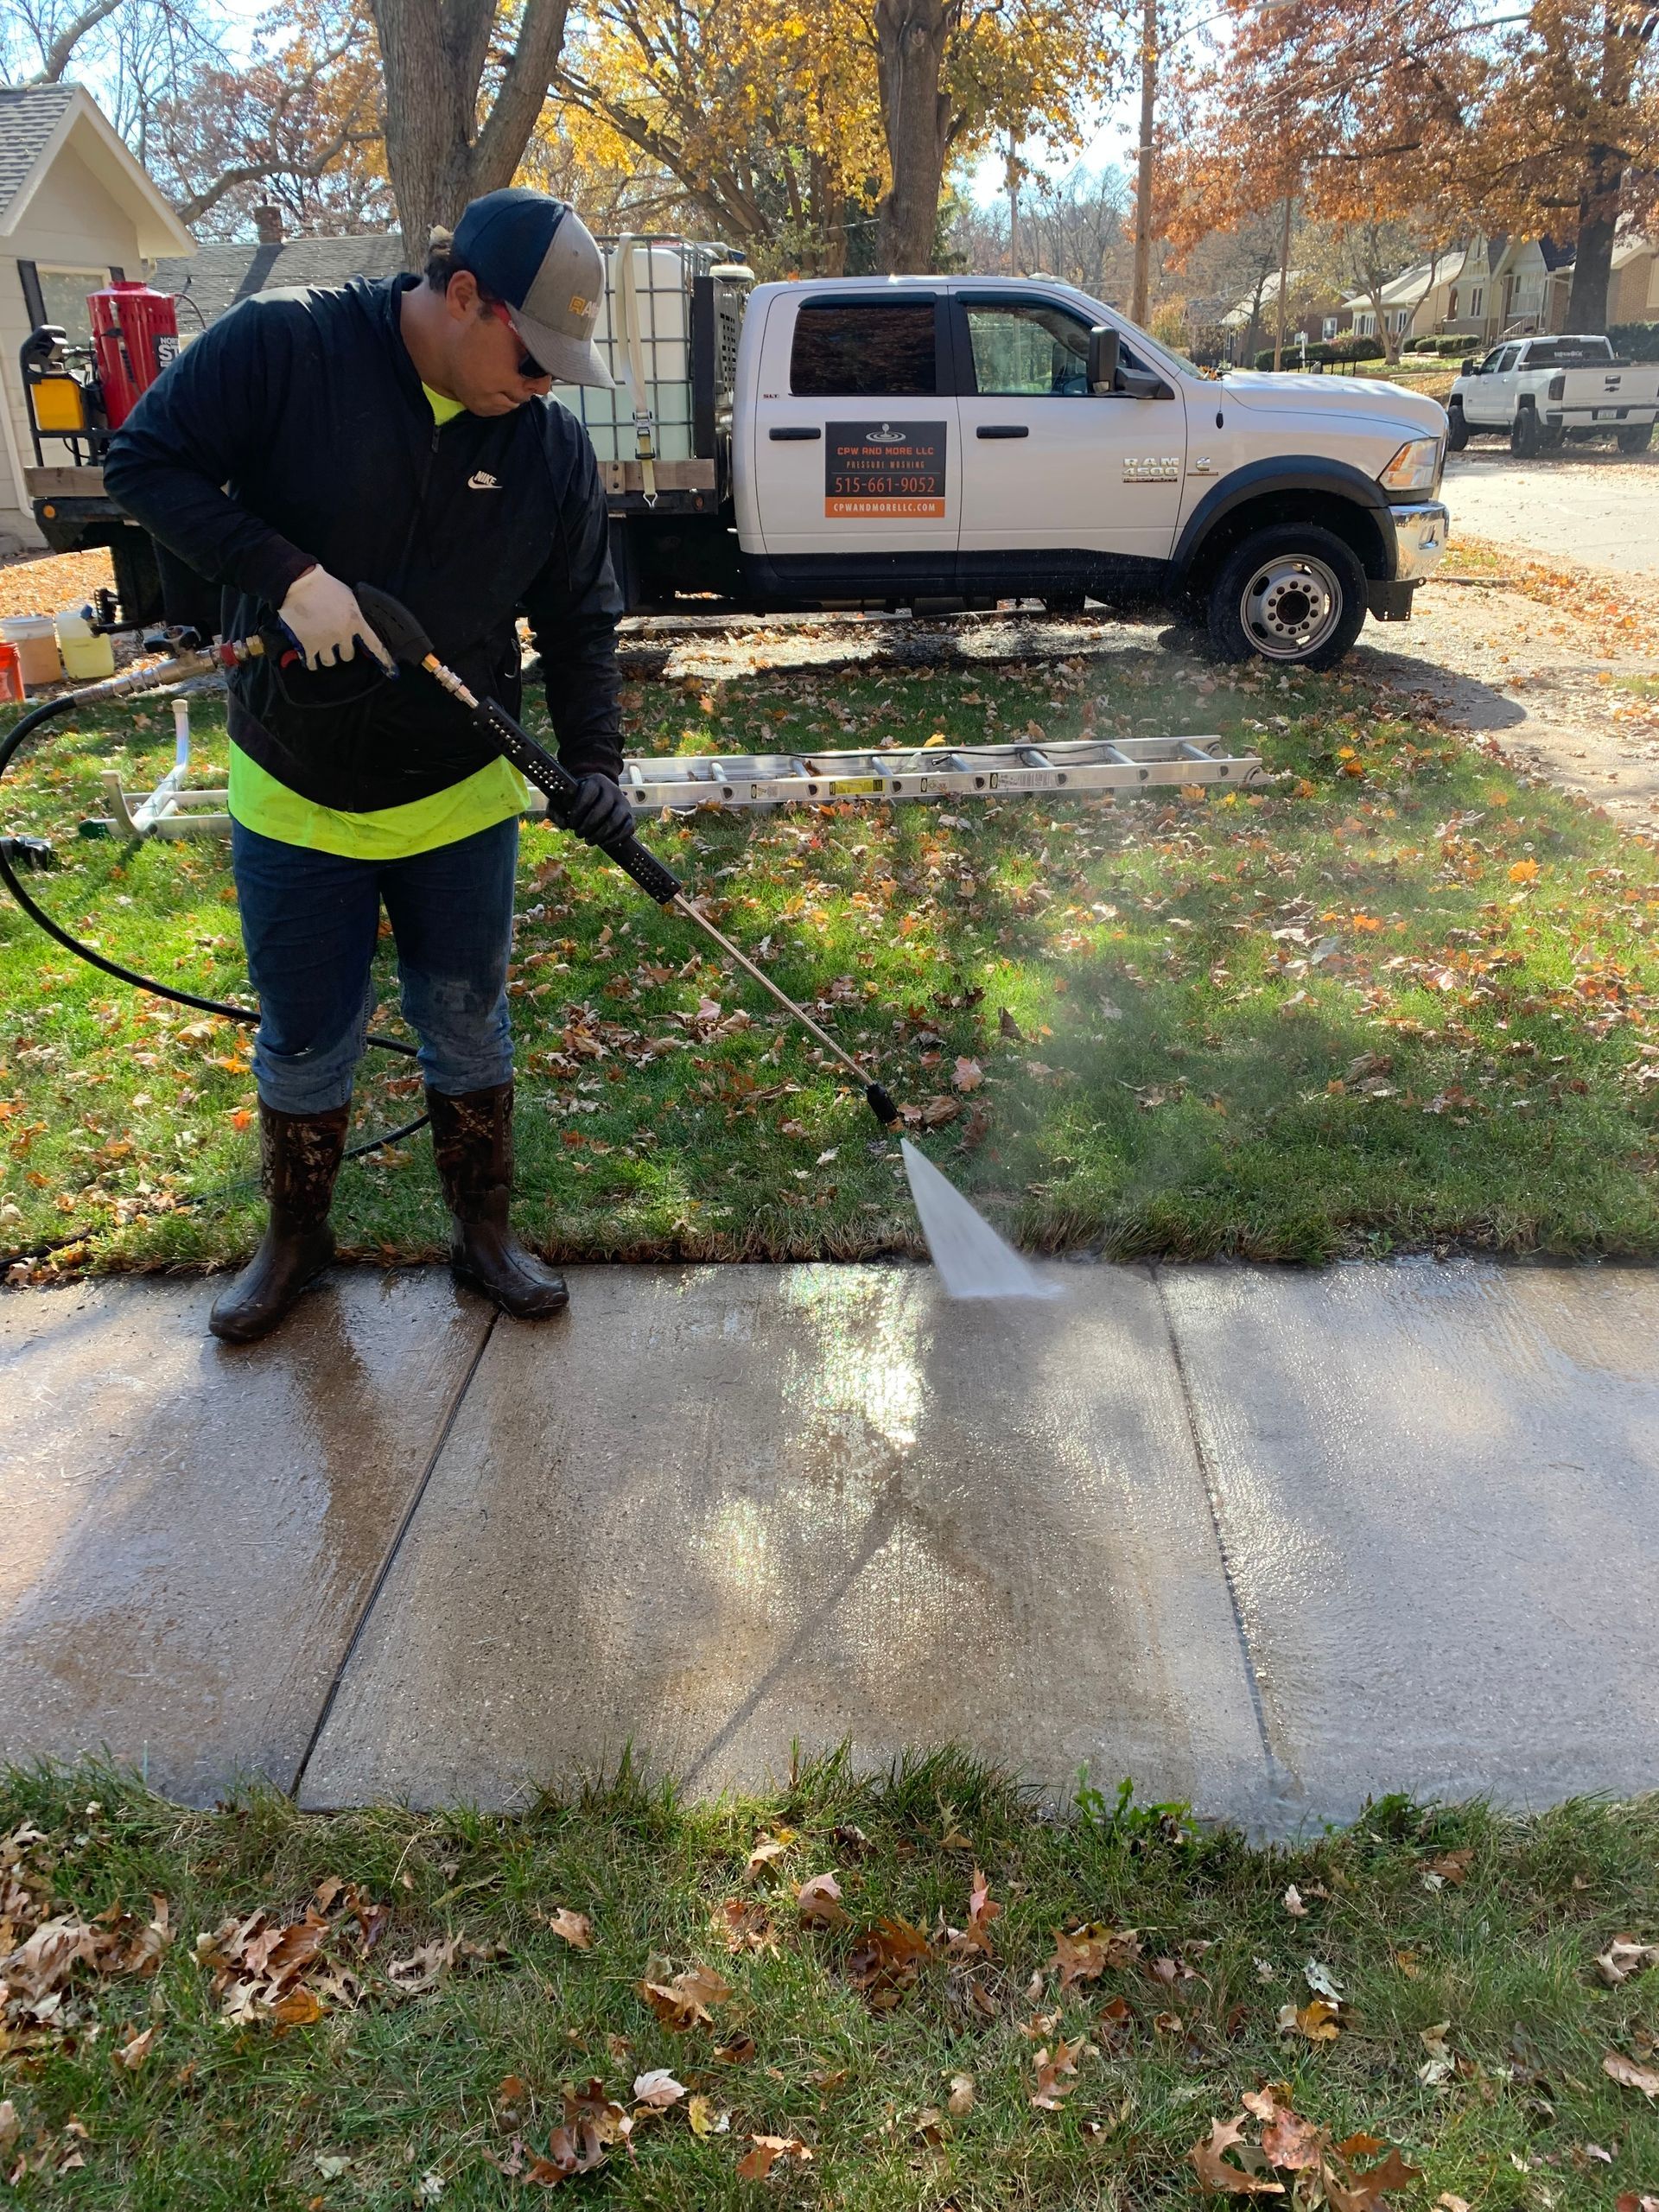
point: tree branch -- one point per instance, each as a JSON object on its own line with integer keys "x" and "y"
{"x": 57, "y": 56}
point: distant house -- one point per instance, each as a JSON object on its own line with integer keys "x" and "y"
{"x": 214, "y": 278}
{"x": 1415, "y": 302}
{"x": 1499, "y": 285}
{"x": 76, "y": 210}
{"x": 1313, "y": 312}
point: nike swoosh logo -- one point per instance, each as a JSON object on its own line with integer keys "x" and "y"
{"x": 483, "y": 481}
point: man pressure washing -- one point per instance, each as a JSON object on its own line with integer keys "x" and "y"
{"x": 398, "y": 434}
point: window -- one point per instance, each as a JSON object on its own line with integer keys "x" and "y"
{"x": 1398, "y": 318}
{"x": 1477, "y": 300}
{"x": 876, "y": 349}
{"x": 1364, "y": 325}
{"x": 63, "y": 299}
{"x": 1568, "y": 353}
{"x": 1030, "y": 349}
{"x": 1328, "y": 328}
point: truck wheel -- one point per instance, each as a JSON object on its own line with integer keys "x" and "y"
{"x": 1525, "y": 436}
{"x": 1635, "y": 438}
{"x": 1457, "y": 430}
{"x": 1294, "y": 594}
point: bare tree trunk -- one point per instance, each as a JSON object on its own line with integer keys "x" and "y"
{"x": 1592, "y": 268}
{"x": 438, "y": 154}
{"x": 911, "y": 36}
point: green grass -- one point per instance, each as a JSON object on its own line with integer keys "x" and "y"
{"x": 390, "y": 2098}
{"x": 1397, "y": 1000}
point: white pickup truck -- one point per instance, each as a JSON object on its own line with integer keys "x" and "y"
{"x": 940, "y": 442}
{"x": 1544, "y": 390}
{"x": 934, "y": 443}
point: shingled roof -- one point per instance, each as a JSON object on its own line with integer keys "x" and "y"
{"x": 28, "y": 115}
{"x": 216, "y": 277}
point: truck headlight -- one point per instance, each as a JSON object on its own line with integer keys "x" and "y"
{"x": 1415, "y": 467}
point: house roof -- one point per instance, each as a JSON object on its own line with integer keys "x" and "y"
{"x": 1304, "y": 284}
{"x": 37, "y": 121}
{"x": 28, "y": 115}
{"x": 1413, "y": 285}
{"x": 216, "y": 277}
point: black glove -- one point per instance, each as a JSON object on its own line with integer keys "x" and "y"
{"x": 599, "y": 814}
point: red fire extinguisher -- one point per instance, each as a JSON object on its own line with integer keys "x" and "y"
{"x": 135, "y": 335}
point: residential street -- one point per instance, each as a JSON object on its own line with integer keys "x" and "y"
{"x": 1589, "y": 503}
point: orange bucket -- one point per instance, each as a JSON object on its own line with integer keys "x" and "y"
{"x": 11, "y": 674}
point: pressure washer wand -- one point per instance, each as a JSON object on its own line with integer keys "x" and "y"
{"x": 406, "y": 641}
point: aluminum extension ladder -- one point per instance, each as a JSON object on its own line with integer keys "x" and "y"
{"x": 726, "y": 780}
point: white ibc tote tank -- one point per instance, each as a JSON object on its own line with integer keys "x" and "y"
{"x": 644, "y": 335}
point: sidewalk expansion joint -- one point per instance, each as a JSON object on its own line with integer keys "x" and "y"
{"x": 1281, "y": 1779}
{"x": 367, "y": 1609}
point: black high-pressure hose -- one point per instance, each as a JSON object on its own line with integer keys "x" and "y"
{"x": 36, "y": 853}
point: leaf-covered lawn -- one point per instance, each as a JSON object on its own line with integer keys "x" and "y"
{"x": 921, "y": 1992}
{"x": 1399, "y": 999}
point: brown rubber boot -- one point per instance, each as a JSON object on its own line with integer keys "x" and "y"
{"x": 299, "y": 1158}
{"x": 471, "y": 1141}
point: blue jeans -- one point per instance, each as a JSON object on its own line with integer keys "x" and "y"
{"x": 309, "y": 923}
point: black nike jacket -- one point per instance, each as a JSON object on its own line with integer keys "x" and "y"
{"x": 296, "y": 430}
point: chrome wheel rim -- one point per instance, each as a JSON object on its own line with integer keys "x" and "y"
{"x": 1290, "y": 606}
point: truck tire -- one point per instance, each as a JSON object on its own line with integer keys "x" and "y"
{"x": 1294, "y": 594}
{"x": 1457, "y": 430}
{"x": 1525, "y": 433}
{"x": 1635, "y": 437}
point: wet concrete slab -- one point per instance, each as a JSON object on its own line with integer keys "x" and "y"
{"x": 190, "y": 1531}
{"x": 719, "y": 1512}
{"x": 1438, "y": 1495}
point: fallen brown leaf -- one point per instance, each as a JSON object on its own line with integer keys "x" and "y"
{"x": 1454, "y": 1866}
{"x": 592, "y": 2124}
{"x": 983, "y": 1910}
{"x": 683, "y": 2003}
{"x": 574, "y": 1928}
{"x": 745, "y": 1924}
{"x": 705, "y": 2120}
{"x": 757, "y": 2164}
{"x": 961, "y": 2099}
{"x": 769, "y": 1849}
{"x": 1623, "y": 1957}
{"x": 1631, "y": 2076}
{"x": 820, "y": 1904}
{"x": 1317, "y": 2021}
{"x": 136, "y": 2050}
{"x": 658, "y": 2089}
{"x": 1088, "y": 1951}
{"x": 1216, "y": 2171}
{"x": 1050, "y": 2091}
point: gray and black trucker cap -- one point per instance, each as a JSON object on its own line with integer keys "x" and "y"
{"x": 540, "y": 260}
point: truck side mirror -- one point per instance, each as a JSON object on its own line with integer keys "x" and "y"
{"x": 1102, "y": 358}
{"x": 1469, "y": 368}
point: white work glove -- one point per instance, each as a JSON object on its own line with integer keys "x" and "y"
{"x": 324, "y": 619}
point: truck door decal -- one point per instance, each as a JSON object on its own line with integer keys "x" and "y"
{"x": 884, "y": 470}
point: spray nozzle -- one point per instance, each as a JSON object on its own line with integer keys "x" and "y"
{"x": 882, "y": 1105}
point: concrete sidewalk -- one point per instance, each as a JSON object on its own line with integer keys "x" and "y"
{"x": 1265, "y": 1541}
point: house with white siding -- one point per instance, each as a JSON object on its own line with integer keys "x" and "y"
{"x": 76, "y": 210}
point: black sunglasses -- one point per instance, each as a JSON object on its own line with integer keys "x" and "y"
{"x": 529, "y": 369}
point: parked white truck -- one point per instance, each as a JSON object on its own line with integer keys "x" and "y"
{"x": 940, "y": 442}
{"x": 934, "y": 443}
{"x": 1542, "y": 391}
